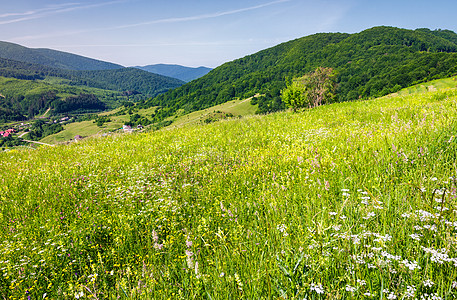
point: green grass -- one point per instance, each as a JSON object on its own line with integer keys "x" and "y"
{"x": 234, "y": 107}
{"x": 89, "y": 128}
{"x": 439, "y": 84}
{"x": 347, "y": 201}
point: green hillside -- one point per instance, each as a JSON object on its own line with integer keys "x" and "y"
{"x": 351, "y": 200}
{"x": 372, "y": 63}
{"x": 123, "y": 80}
{"x": 23, "y": 99}
{"x": 53, "y": 58}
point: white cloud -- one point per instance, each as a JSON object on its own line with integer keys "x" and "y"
{"x": 49, "y": 10}
{"x": 203, "y": 16}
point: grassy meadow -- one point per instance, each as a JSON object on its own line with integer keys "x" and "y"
{"x": 346, "y": 201}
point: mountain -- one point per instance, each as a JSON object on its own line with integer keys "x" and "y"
{"x": 370, "y": 63}
{"x": 53, "y": 58}
{"x": 123, "y": 79}
{"x": 176, "y": 71}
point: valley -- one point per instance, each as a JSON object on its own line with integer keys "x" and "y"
{"x": 262, "y": 179}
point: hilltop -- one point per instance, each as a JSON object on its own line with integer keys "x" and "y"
{"x": 372, "y": 63}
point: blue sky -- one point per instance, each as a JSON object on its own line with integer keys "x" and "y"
{"x": 200, "y": 32}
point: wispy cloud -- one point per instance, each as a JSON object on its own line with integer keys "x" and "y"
{"x": 203, "y": 16}
{"x": 15, "y": 17}
{"x": 159, "y": 21}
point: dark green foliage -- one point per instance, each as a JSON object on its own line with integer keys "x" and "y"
{"x": 101, "y": 120}
{"x": 127, "y": 79}
{"x": 136, "y": 119}
{"x": 82, "y": 102}
{"x": 40, "y": 129}
{"x": 371, "y": 63}
{"x": 269, "y": 103}
{"x": 11, "y": 141}
{"x": 131, "y": 81}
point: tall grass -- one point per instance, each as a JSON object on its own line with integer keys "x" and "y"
{"x": 347, "y": 201}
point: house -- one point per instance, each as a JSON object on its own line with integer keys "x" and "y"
{"x": 127, "y": 128}
{"x": 78, "y": 138}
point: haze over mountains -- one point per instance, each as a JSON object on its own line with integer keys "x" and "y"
{"x": 53, "y": 58}
{"x": 176, "y": 71}
{"x": 69, "y": 61}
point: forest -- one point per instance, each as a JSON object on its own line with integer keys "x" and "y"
{"x": 368, "y": 64}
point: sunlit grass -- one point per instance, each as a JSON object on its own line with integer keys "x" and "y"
{"x": 347, "y": 201}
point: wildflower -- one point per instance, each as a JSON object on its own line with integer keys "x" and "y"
{"x": 428, "y": 283}
{"x": 188, "y": 243}
{"x": 332, "y": 213}
{"x": 222, "y": 274}
{"x": 282, "y": 228}
{"x": 155, "y": 236}
{"x": 79, "y": 295}
{"x": 238, "y": 282}
{"x": 370, "y": 215}
{"x": 410, "y": 291}
{"x": 391, "y": 296}
{"x": 350, "y": 288}
{"x": 415, "y": 236}
{"x": 189, "y": 259}
{"x": 317, "y": 288}
{"x": 361, "y": 282}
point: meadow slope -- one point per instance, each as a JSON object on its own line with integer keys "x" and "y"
{"x": 347, "y": 201}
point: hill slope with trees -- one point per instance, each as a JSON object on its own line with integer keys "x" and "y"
{"x": 371, "y": 63}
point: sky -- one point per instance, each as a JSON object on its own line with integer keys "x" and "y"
{"x": 200, "y": 32}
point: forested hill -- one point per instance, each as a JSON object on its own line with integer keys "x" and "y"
{"x": 124, "y": 79}
{"x": 53, "y": 58}
{"x": 371, "y": 63}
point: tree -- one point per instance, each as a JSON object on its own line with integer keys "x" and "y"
{"x": 293, "y": 96}
{"x": 311, "y": 90}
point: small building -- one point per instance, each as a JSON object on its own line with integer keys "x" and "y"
{"x": 78, "y": 138}
{"x": 127, "y": 128}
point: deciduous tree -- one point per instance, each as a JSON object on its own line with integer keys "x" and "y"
{"x": 311, "y": 90}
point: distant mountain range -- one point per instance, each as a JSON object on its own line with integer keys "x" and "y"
{"x": 176, "y": 71}
{"x": 53, "y": 58}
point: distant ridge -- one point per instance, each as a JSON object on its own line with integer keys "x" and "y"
{"x": 53, "y": 58}
{"x": 176, "y": 71}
